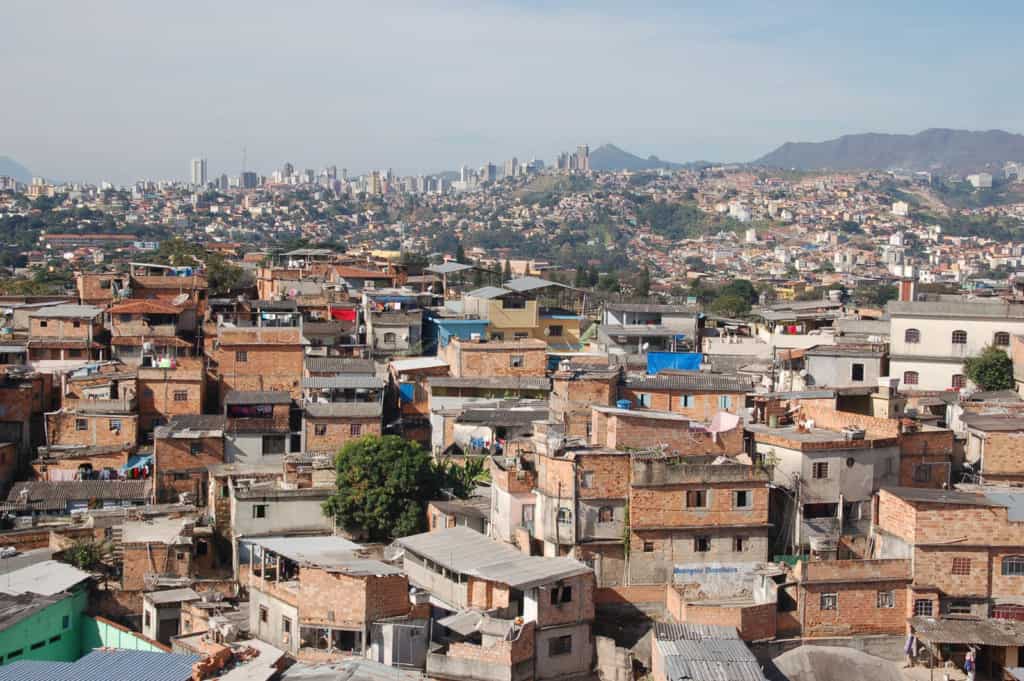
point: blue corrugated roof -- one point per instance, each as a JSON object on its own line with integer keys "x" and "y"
{"x": 105, "y": 665}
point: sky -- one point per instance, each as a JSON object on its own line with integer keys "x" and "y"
{"x": 120, "y": 91}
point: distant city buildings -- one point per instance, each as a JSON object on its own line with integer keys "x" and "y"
{"x": 198, "y": 174}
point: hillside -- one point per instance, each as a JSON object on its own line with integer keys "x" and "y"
{"x": 11, "y": 168}
{"x": 951, "y": 150}
{"x": 610, "y": 157}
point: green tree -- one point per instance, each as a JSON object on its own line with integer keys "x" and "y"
{"x": 742, "y": 289}
{"x": 875, "y": 294}
{"x": 990, "y": 370}
{"x": 221, "y": 276}
{"x": 85, "y": 555}
{"x": 643, "y": 283}
{"x": 507, "y": 274}
{"x": 383, "y": 484}
{"x": 460, "y": 253}
{"x": 730, "y": 305}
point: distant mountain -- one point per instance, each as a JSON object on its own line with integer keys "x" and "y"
{"x": 11, "y": 168}
{"x": 610, "y": 157}
{"x": 938, "y": 148}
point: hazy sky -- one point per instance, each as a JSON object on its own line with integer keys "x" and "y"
{"x": 123, "y": 90}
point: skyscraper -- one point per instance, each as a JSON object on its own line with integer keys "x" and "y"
{"x": 199, "y": 172}
{"x": 583, "y": 158}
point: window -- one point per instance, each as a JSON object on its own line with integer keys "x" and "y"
{"x": 286, "y": 625}
{"x": 390, "y": 338}
{"x": 696, "y": 498}
{"x": 739, "y": 544}
{"x": 225, "y": 491}
{"x": 54, "y": 639}
{"x": 81, "y": 424}
{"x": 702, "y": 544}
{"x": 181, "y": 396}
{"x": 515, "y": 362}
{"x": 857, "y": 372}
{"x": 1008, "y": 611}
{"x": 42, "y": 323}
{"x": 497, "y": 336}
{"x": 1001, "y": 339}
{"x": 320, "y": 429}
{"x": 259, "y": 511}
{"x": 959, "y": 337}
{"x": 330, "y": 615}
{"x": 829, "y": 601}
{"x": 958, "y": 608}
{"x": 686, "y": 401}
{"x": 202, "y": 547}
{"x": 115, "y": 424}
{"x": 587, "y": 479}
{"x": 355, "y": 429}
{"x": 922, "y": 473}
{"x": 560, "y": 645}
{"x": 37, "y": 645}
{"x": 76, "y": 324}
{"x": 648, "y": 547}
{"x": 819, "y": 471}
{"x": 959, "y": 381}
{"x": 725, "y": 401}
{"x": 741, "y": 498}
{"x": 195, "y": 448}
{"x": 885, "y": 599}
{"x": 125, "y": 318}
{"x": 1013, "y": 566}
{"x": 605, "y": 514}
{"x": 910, "y": 378}
{"x": 65, "y": 622}
{"x": 181, "y": 476}
{"x": 644, "y": 399}
{"x": 147, "y": 620}
{"x": 520, "y": 335}
{"x": 555, "y": 330}
{"x": 564, "y": 515}
{"x": 241, "y": 356}
{"x": 273, "y": 444}
{"x": 911, "y": 336}
{"x": 961, "y": 566}
{"x": 561, "y": 594}
{"x": 15, "y": 653}
{"x": 263, "y": 613}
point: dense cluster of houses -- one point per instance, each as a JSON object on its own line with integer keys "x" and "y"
{"x": 819, "y": 473}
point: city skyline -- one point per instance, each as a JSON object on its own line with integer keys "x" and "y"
{"x": 421, "y": 90}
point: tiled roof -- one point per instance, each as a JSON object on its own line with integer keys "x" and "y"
{"x": 257, "y": 397}
{"x": 340, "y": 365}
{"x": 56, "y": 495}
{"x": 350, "y": 381}
{"x": 145, "y": 307}
{"x": 355, "y": 410}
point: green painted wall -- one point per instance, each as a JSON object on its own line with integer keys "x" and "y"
{"x": 96, "y": 634}
{"x": 52, "y": 634}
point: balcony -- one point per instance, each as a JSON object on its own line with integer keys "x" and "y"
{"x": 125, "y": 405}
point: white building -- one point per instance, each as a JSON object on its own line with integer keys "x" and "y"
{"x": 199, "y": 172}
{"x": 901, "y": 208}
{"x": 980, "y": 180}
{"x": 931, "y": 340}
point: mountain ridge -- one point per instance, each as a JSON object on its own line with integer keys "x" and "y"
{"x": 11, "y": 168}
{"x": 931, "y": 149}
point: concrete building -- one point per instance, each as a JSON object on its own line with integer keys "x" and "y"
{"x": 258, "y": 426}
{"x": 634, "y": 328}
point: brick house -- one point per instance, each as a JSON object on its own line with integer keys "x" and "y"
{"x": 512, "y": 501}
{"x": 697, "y": 396}
{"x": 527, "y": 357}
{"x": 544, "y": 607}
{"x": 995, "y": 448}
{"x": 94, "y": 422}
{"x": 97, "y": 288}
{"x": 165, "y": 552}
{"x": 144, "y": 330}
{"x": 853, "y": 597}
{"x": 327, "y": 427}
{"x": 641, "y": 428}
{"x": 259, "y": 425}
{"x": 318, "y": 597}
{"x": 965, "y": 548}
{"x": 224, "y": 478}
{"x": 407, "y": 396}
{"x": 168, "y": 389}
{"x": 575, "y": 389}
{"x": 257, "y": 359}
{"x": 182, "y": 450}
{"x": 55, "y": 463}
{"x": 686, "y": 513}
{"x": 24, "y": 397}
{"x": 71, "y": 334}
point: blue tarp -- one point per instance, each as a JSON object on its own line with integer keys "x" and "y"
{"x": 681, "y": 361}
{"x": 407, "y": 391}
{"x": 137, "y": 461}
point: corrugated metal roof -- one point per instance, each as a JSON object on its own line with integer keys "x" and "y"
{"x": 471, "y": 553}
{"x": 994, "y": 422}
{"x": 492, "y": 382}
{"x": 328, "y": 552}
{"x": 700, "y": 652}
{"x": 415, "y": 363}
{"x": 57, "y": 494}
{"x": 956, "y": 310}
{"x": 989, "y": 632}
{"x": 523, "y": 284}
{"x": 488, "y": 292}
{"x": 47, "y": 578}
{"x": 690, "y": 380}
{"x": 172, "y": 596}
{"x": 340, "y": 365}
{"x": 350, "y": 381}
{"x": 257, "y": 397}
{"x": 68, "y": 312}
{"x": 693, "y": 632}
{"x": 106, "y": 665}
{"x": 354, "y": 410}
{"x": 449, "y": 267}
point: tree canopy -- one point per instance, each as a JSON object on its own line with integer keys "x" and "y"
{"x": 990, "y": 370}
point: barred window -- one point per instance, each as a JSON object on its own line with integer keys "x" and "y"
{"x": 959, "y": 337}
{"x": 1013, "y": 566}
{"x": 961, "y": 566}
{"x": 911, "y": 336}
{"x": 885, "y": 599}
{"x": 830, "y": 601}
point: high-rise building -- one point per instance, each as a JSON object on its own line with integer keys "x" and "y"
{"x": 512, "y": 167}
{"x": 199, "y": 172}
{"x": 583, "y": 158}
{"x": 489, "y": 173}
{"x": 287, "y": 170}
{"x": 249, "y": 180}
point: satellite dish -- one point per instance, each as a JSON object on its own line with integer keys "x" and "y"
{"x": 180, "y": 299}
